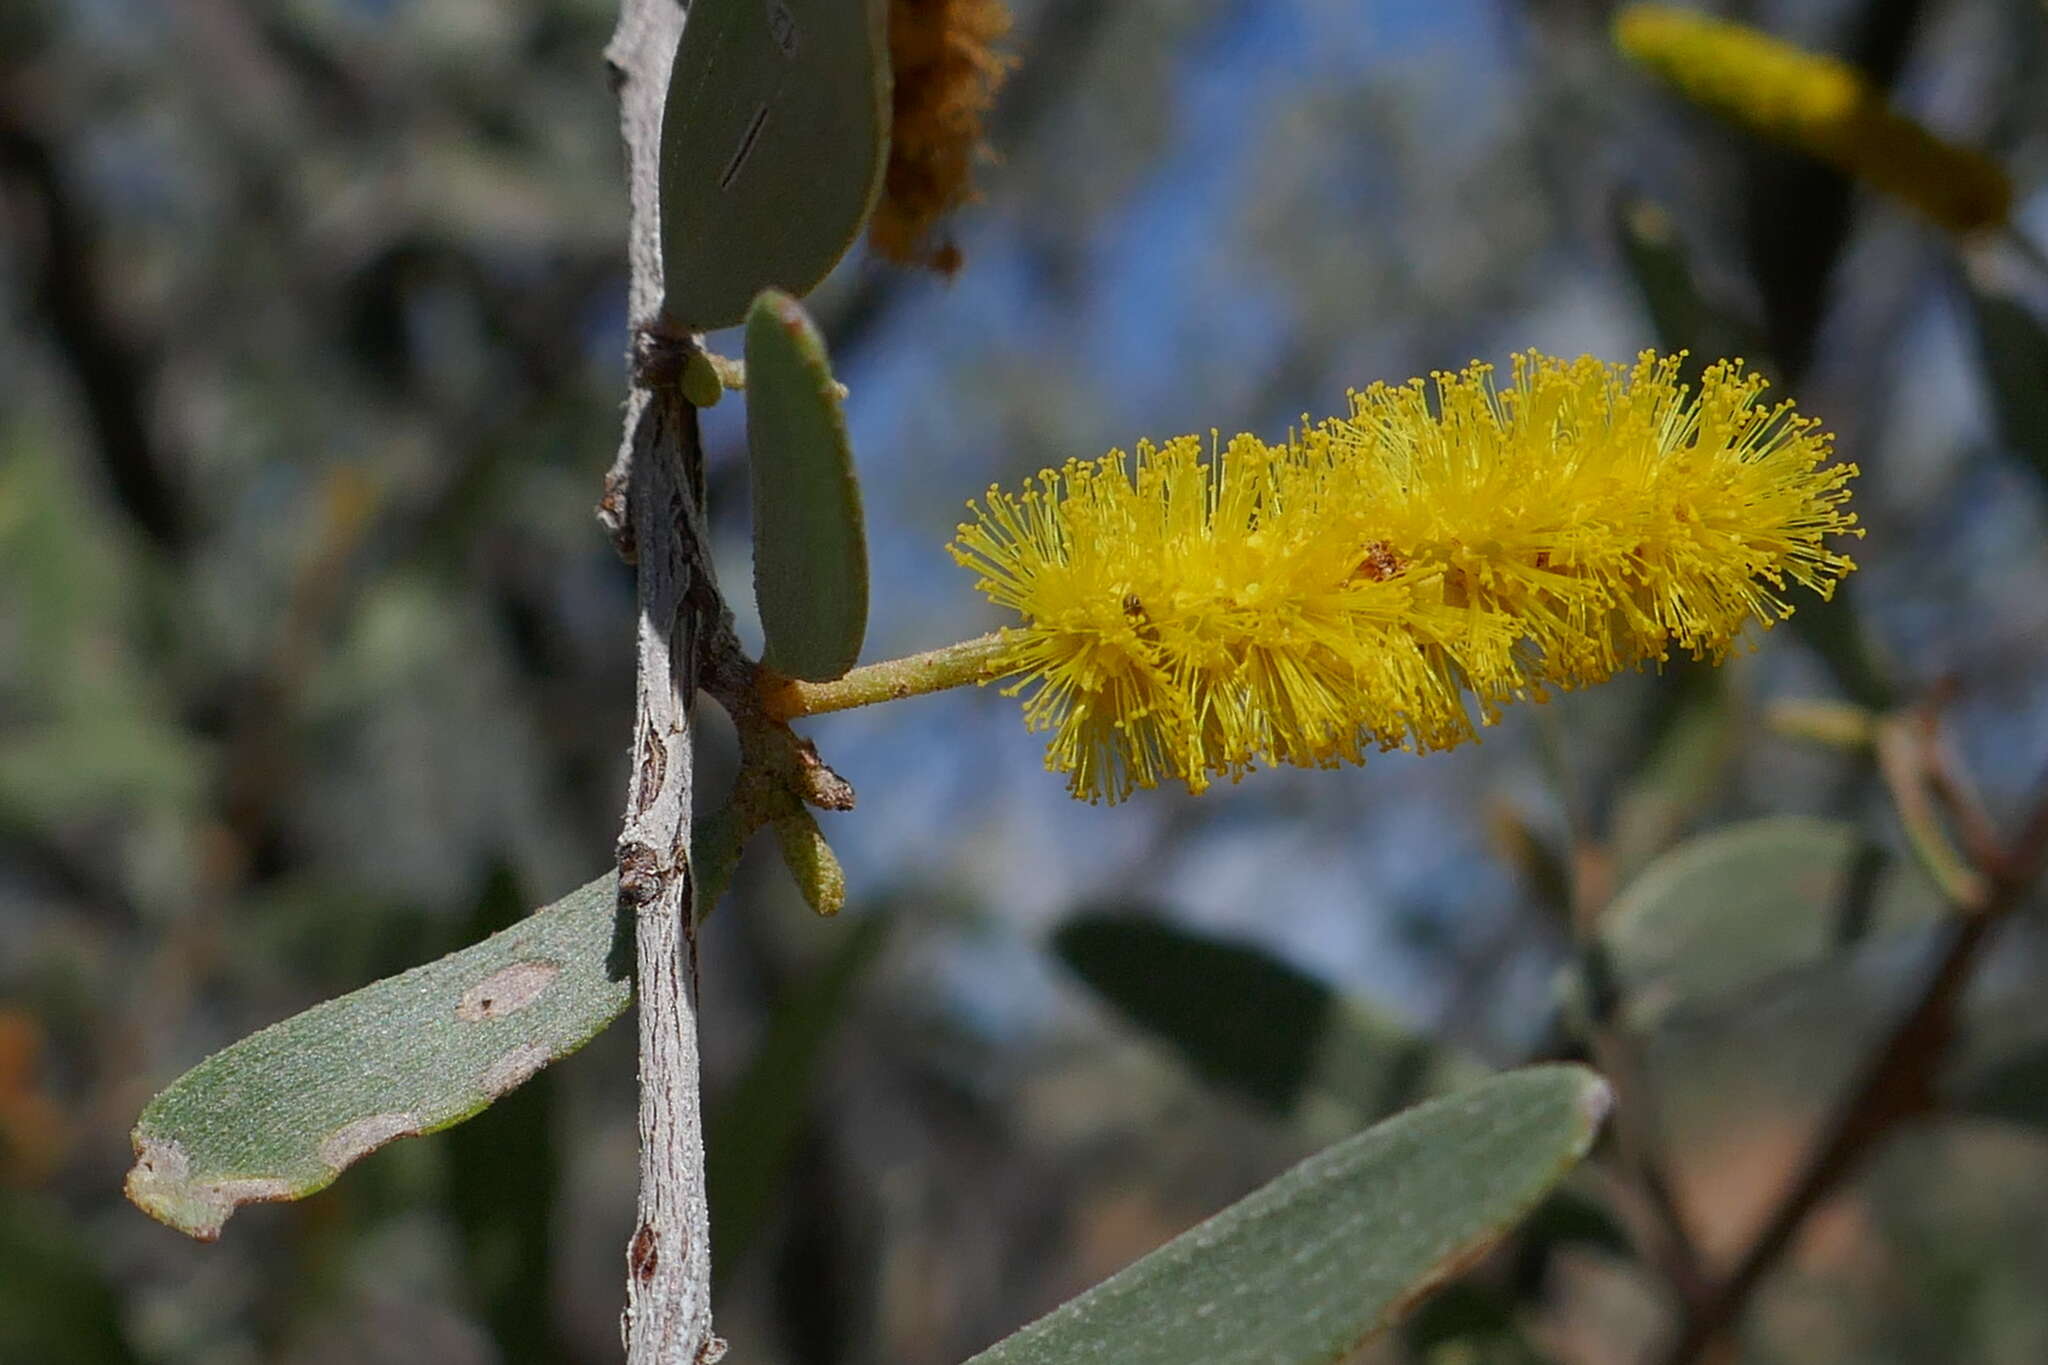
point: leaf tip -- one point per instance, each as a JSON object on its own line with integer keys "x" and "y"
{"x": 702, "y": 384}
{"x": 161, "y": 1185}
{"x": 774, "y": 307}
{"x": 1596, "y": 1102}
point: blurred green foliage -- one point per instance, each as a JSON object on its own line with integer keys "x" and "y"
{"x": 311, "y": 343}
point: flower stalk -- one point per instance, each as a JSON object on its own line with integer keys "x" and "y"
{"x": 935, "y": 670}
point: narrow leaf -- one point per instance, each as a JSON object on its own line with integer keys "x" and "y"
{"x": 1686, "y": 318}
{"x": 1471, "y": 1326}
{"x": 1339, "y": 1248}
{"x": 756, "y": 1129}
{"x": 503, "y": 1184}
{"x": 1732, "y": 908}
{"x": 281, "y": 1113}
{"x": 2014, "y": 347}
{"x": 810, "y": 550}
{"x": 1689, "y": 737}
{"x": 2012, "y": 1089}
{"x": 1249, "y": 1022}
{"x": 773, "y": 143}
{"x": 1836, "y": 631}
{"x": 1681, "y": 313}
{"x": 1539, "y": 865}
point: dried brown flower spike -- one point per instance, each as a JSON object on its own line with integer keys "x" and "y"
{"x": 947, "y": 74}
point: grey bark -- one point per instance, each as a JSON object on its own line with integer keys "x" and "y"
{"x": 651, "y": 509}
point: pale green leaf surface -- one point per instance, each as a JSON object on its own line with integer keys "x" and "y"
{"x": 279, "y": 1114}
{"x": 1735, "y": 907}
{"x": 1337, "y": 1249}
{"x": 773, "y": 143}
{"x": 810, "y": 547}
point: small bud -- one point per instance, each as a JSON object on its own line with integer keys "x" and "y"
{"x": 1834, "y": 725}
{"x": 702, "y": 384}
{"x": 811, "y": 861}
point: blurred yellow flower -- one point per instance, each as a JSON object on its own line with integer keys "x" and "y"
{"x": 1390, "y": 578}
{"x": 1821, "y": 106}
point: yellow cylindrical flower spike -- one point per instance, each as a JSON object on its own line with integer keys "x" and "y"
{"x": 1390, "y": 578}
{"x": 1821, "y": 106}
{"x": 947, "y": 71}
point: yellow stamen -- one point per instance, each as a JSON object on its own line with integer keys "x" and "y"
{"x": 1391, "y": 578}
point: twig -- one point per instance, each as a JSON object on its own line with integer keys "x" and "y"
{"x": 1649, "y": 1202}
{"x": 657, "y": 478}
{"x": 1896, "y": 1083}
{"x": 935, "y": 670}
{"x": 1655, "y": 1217}
{"x": 1649, "y": 1206}
{"x": 1952, "y": 788}
{"x": 1902, "y": 757}
{"x": 2029, "y": 250}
